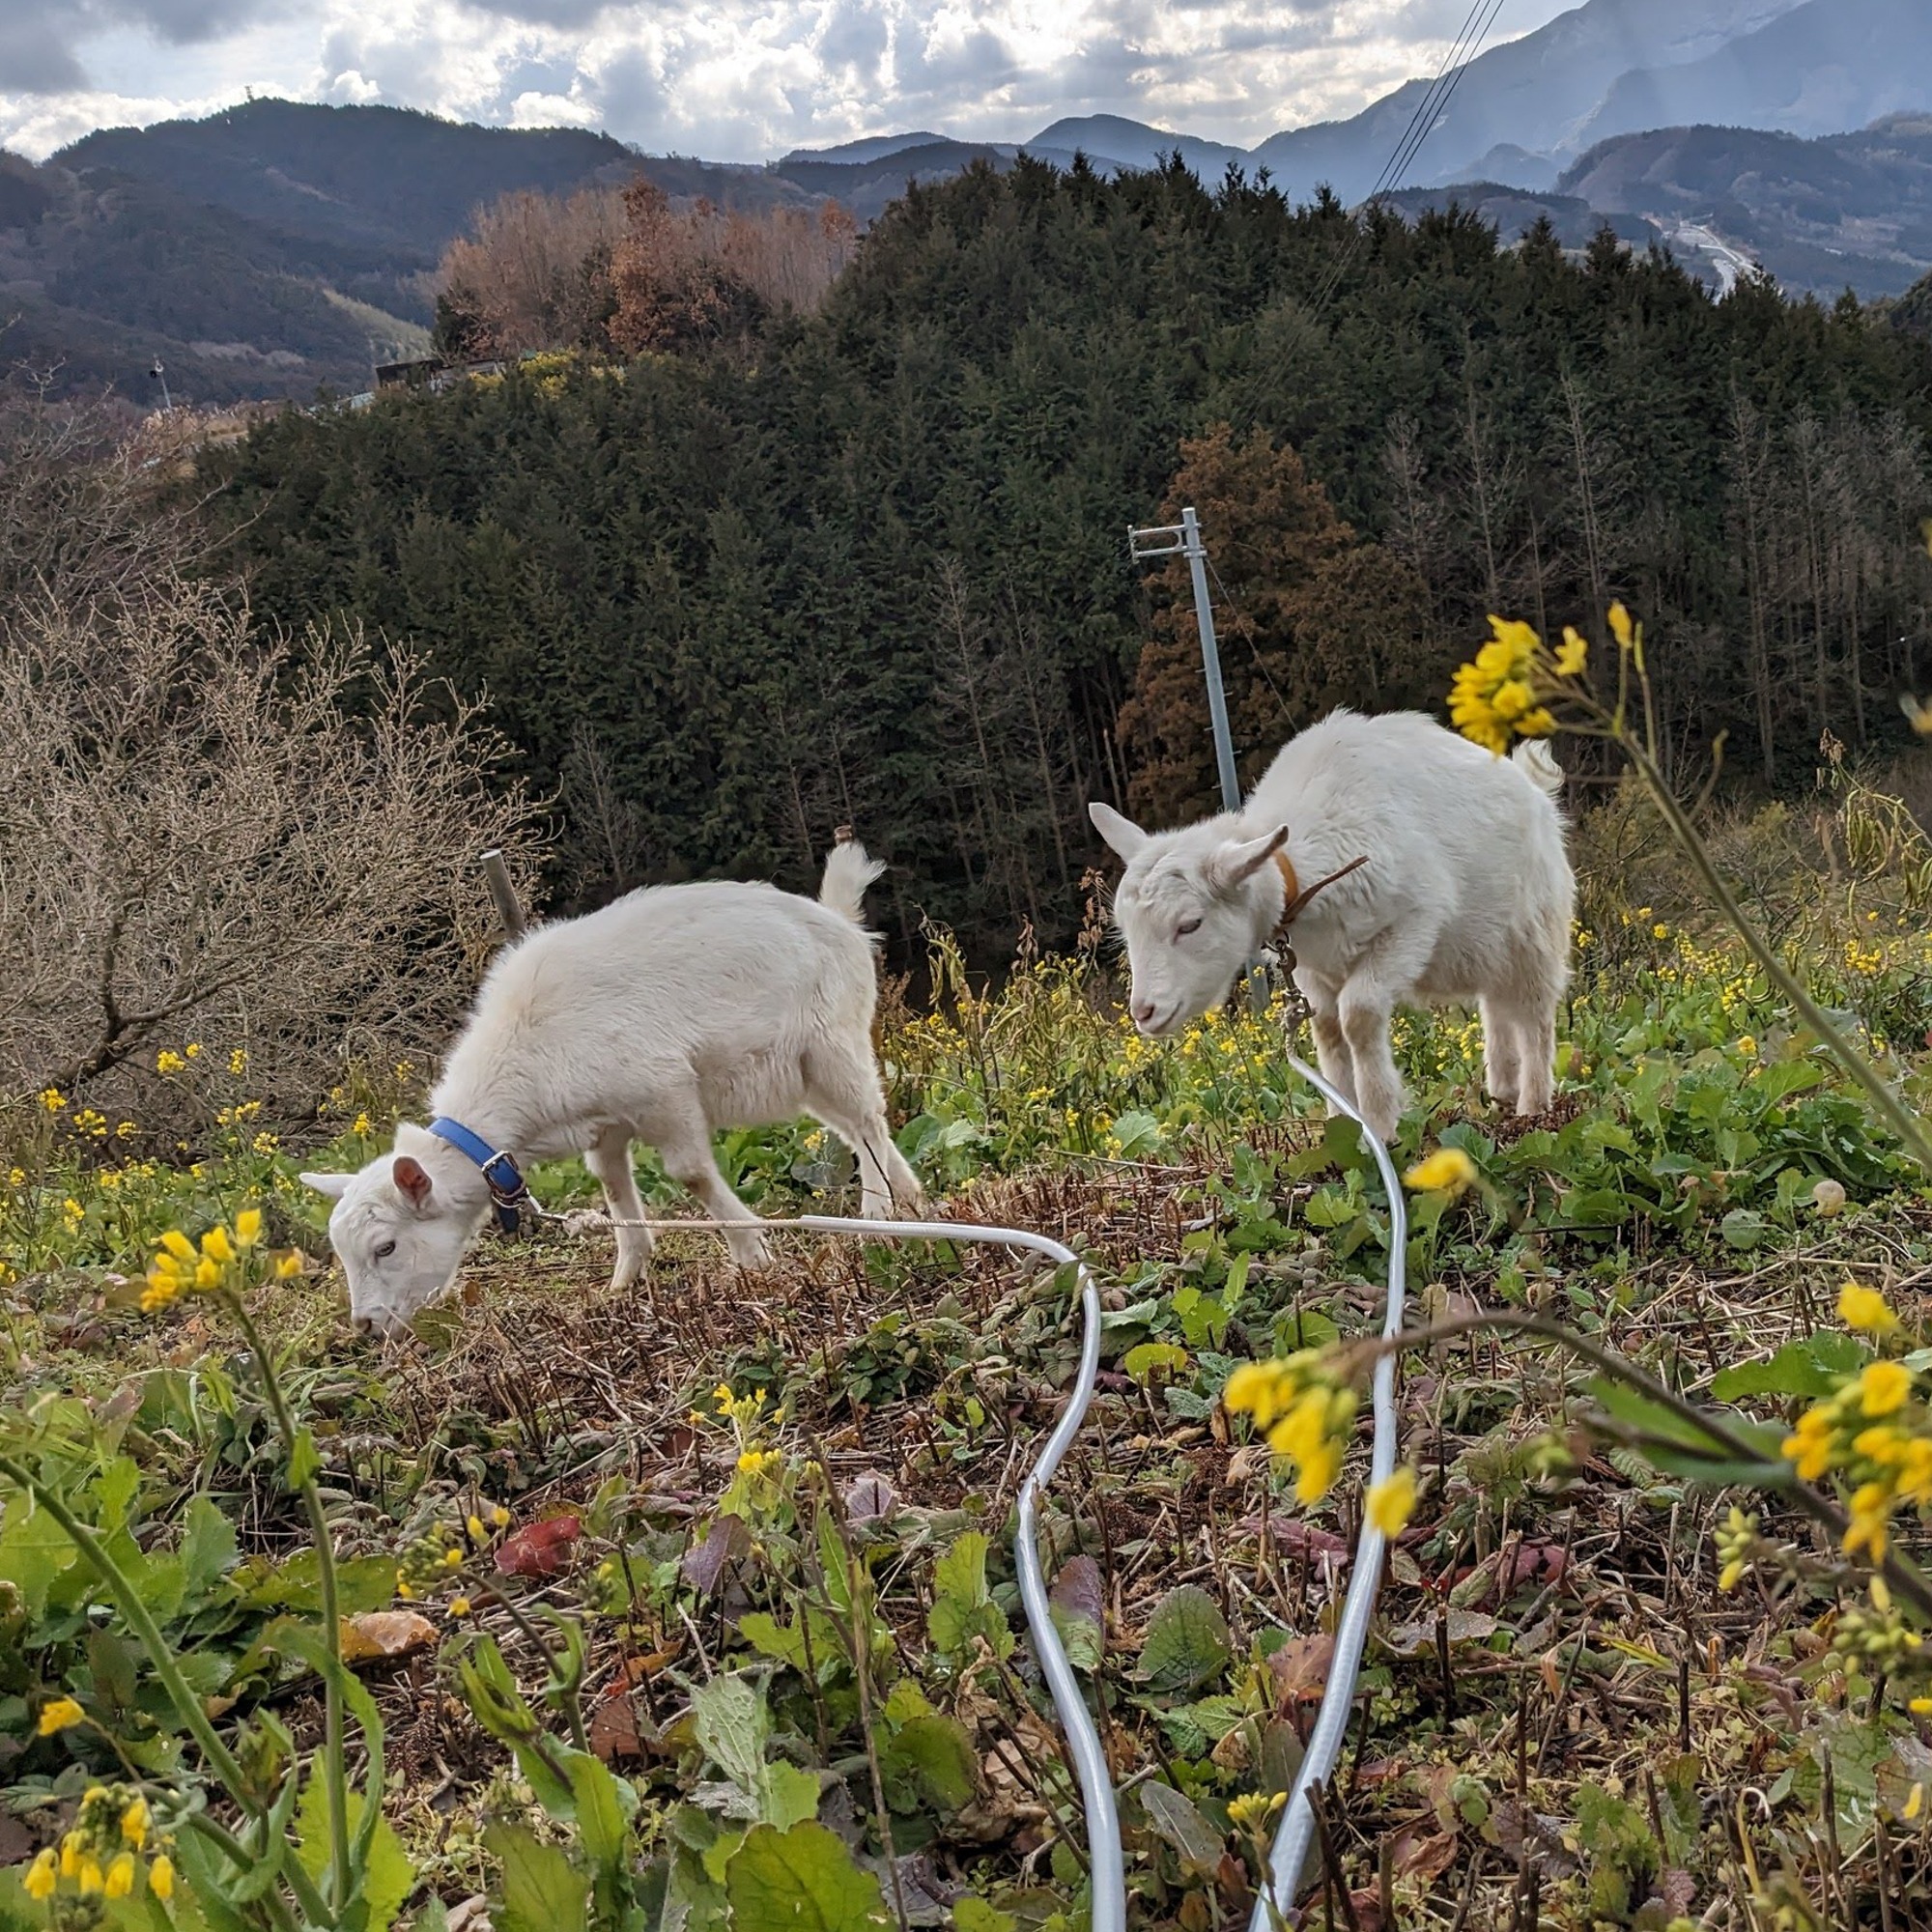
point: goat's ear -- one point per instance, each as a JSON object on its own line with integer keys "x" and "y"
{"x": 1241, "y": 859}
{"x": 1121, "y": 833}
{"x": 334, "y": 1185}
{"x": 412, "y": 1180}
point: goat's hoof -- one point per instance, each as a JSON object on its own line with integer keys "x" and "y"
{"x": 753, "y": 1256}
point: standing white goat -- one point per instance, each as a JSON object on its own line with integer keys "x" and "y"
{"x": 1466, "y": 896}
{"x": 668, "y": 1014}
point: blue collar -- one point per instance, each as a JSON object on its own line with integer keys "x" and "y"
{"x": 500, "y": 1175}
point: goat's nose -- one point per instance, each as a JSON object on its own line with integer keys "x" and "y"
{"x": 1143, "y": 1011}
{"x": 363, "y": 1324}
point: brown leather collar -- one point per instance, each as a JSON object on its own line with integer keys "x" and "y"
{"x": 1296, "y": 897}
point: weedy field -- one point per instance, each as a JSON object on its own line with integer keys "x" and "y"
{"x": 693, "y": 1605}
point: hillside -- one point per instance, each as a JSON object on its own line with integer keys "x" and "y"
{"x": 1819, "y": 214}
{"x": 278, "y": 248}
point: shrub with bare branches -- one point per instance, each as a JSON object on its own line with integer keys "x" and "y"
{"x": 253, "y": 841}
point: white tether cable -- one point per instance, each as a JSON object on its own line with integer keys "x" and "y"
{"x": 1296, "y": 1831}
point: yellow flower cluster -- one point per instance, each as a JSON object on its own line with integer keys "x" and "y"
{"x": 1494, "y": 699}
{"x": 1874, "y": 1433}
{"x": 1448, "y": 1171}
{"x": 180, "y": 1268}
{"x": 101, "y": 1856}
{"x": 1304, "y": 1409}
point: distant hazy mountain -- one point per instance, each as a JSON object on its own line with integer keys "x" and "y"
{"x": 1819, "y": 68}
{"x": 1132, "y": 144}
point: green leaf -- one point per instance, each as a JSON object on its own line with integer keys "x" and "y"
{"x": 1809, "y": 1368}
{"x": 1742, "y": 1229}
{"x": 974, "y": 1914}
{"x": 792, "y": 1794}
{"x": 1652, "y": 1417}
{"x": 734, "y": 1728}
{"x": 929, "y": 1762}
{"x": 34, "y": 1553}
{"x": 543, "y": 1892}
{"x": 1186, "y": 1644}
{"x": 961, "y": 1573}
{"x": 303, "y": 1460}
{"x": 803, "y": 1880}
{"x": 207, "y": 1548}
{"x": 1138, "y": 1134}
{"x": 1148, "y": 1358}
{"x": 962, "y": 1605}
{"x": 385, "y": 1875}
{"x": 600, "y": 1816}
{"x": 1178, "y": 1821}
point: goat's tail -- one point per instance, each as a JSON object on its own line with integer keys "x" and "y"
{"x": 848, "y": 872}
{"x": 1537, "y": 762}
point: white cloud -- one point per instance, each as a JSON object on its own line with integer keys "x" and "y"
{"x": 729, "y": 80}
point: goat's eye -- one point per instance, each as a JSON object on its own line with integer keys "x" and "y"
{"x": 1186, "y": 926}
{"x": 384, "y": 1249}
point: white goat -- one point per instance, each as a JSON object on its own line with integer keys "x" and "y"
{"x": 669, "y": 1013}
{"x": 1466, "y": 896}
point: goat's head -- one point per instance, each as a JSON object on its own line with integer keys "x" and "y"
{"x": 1189, "y": 911}
{"x": 398, "y": 1233}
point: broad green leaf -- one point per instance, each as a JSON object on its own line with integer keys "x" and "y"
{"x": 803, "y": 1880}
{"x": 600, "y": 1816}
{"x": 1186, "y": 1644}
{"x": 791, "y": 1795}
{"x": 1148, "y": 1358}
{"x": 34, "y": 1552}
{"x": 961, "y": 1572}
{"x": 543, "y": 1892}
{"x": 931, "y": 1763}
{"x": 207, "y": 1547}
{"x": 1742, "y": 1229}
{"x": 1138, "y": 1134}
{"x": 734, "y": 1728}
{"x": 1642, "y": 1412}
{"x": 385, "y": 1874}
{"x": 1809, "y": 1368}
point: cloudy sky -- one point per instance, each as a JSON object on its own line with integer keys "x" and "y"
{"x": 729, "y": 79}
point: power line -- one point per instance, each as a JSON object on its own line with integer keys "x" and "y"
{"x": 1434, "y": 101}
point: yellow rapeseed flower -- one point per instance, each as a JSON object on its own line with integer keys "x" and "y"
{"x": 42, "y": 1876}
{"x": 216, "y": 1246}
{"x": 1621, "y": 627}
{"x": 178, "y": 1245}
{"x": 161, "y": 1878}
{"x": 135, "y": 1823}
{"x": 458, "y": 1607}
{"x": 61, "y": 1715}
{"x": 1810, "y": 1446}
{"x": 1572, "y": 654}
{"x": 119, "y": 1876}
{"x": 1448, "y": 1170}
{"x": 92, "y": 1878}
{"x": 1865, "y": 1307}
{"x": 1885, "y": 1386}
{"x": 1390, "y": 1504}
{"x": 247, "y": 1227}
{"x": 290, "y": 1264}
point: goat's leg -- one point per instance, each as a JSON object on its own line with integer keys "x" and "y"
{"x": 610, "y": 1160}
{"x": 1331, "y": 1046}
{"x": 1536, "y": 1054}
{"x": 1502, "y": 1050}
{"x": 1383, "y": 978}
{"x": 686, "y": 1149}
{"x": 848, "y": 1099}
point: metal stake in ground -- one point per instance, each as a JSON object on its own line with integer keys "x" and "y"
{"x": 1183, "y": 539}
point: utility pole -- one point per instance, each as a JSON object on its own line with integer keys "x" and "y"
{"x": 1183, "y": 539}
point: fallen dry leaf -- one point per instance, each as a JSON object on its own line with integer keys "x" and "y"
{"x": 385, "y": 1633}
{"x": 1300, "y": 1669}
{"x": 539, "y": 1548}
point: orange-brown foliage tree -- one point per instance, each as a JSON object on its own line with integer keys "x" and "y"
{"x": 1308, "y": 617}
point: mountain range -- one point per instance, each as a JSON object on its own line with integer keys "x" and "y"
{"x": 277, "y": 248}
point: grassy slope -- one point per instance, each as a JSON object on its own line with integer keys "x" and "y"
{"x": 1557, "y": 1684}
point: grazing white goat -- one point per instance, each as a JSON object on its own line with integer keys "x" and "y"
{"x": 1466, "y": 896}
{"x": 668, "y": 1014}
